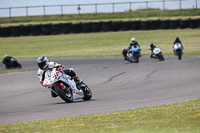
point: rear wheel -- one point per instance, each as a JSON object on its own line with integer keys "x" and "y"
{"x": 65, "y": 95}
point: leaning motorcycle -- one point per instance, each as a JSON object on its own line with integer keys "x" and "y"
{"x": 134, "y": 54}
{"x": 178, "y": 50}
{"x": 158, "y": 53}
{"x": 65, "y": 87}
{"x": 13, "y": 63}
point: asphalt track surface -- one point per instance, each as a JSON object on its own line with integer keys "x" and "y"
{"x": 116, "y": 85}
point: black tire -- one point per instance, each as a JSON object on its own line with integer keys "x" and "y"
{"x": 97, "y": 26}
{"x": 161, "y": 57}
{"x": 179, "y": 56}
{"x": 126, "y": 25}
{"x": 136, "y": 25}
{"x": 174, "y": 24}
{"x": 87, "y": 27}
{"x": 164, "y": 24}
{"x": 87, "y": 93}
{"x": 67, "y": 96}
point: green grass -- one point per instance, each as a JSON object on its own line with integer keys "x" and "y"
{"x": 98, "y": 44}
{"x": 14, "y": 70}
{"x": 138, "y": 14}
{"x": 178, "y": 117}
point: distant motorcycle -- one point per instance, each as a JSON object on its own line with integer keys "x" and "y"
{"x": 63, "y": 86}
{"x": 178, "y": 50}
{"x": 11, "y": 63}
{"x": 158, "y": 53}
{"x": 132, "y": 55}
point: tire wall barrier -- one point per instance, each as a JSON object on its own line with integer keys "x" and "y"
{"x": 174, "y": 24}
{"x": 36, "y": 30}
{"x": 25, "y": 30}
{"x": 66, "y": 28}
{"x": 136, "y": 25}
{"x": 96, "y": 26}
{"x": 126, "y": 25}
{"x": 105, "y": 26}
{"x": 116, "y": 25}
{"x": 194, "y": 23}
{"x": 56, "y": 29}
{"x": 164, "y": 24}
{"x": 145, "y": 25}
{"x": 86, "y": 27}
{"x": 46, "y": 29}
{"x": 76, "y": 28}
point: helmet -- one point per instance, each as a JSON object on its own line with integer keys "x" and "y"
{"x": 177, "y": 39}
{"x": 133, "y": 39}
{"x": 42, "y": 62}
{"x": 151, "y": 45}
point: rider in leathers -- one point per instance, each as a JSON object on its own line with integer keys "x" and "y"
{"x": 133, "y": 42}
{"x": 44, "y": 65}
{"x": 177, "y": 40}
{"x": 151, "y": 48}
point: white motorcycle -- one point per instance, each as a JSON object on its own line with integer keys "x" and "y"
{"x": 158, "y": 53}
{"x": 63, "y": 86}
{"x": 178, "y": 50}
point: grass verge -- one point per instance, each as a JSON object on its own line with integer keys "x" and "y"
{"x": 138, "y": 14}
{"x": 178, "y": 117}
{"x": 14, "y": 70}
{"x": 98, "y": 44}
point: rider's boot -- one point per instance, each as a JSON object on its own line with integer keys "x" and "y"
{"x": 77, "y": 80}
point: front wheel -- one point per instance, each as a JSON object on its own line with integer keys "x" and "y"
{"x": 87, "y": 92}
{"x": 65, "y": 95}
{"x": 179, "y": 56}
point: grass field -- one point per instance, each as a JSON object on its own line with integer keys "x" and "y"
{"x": 178, "y": 117}
{"x": 138, "y": 14}
{"x": 98, "y": 44}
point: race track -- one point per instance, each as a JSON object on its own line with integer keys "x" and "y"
{"x": 116, "y": 85}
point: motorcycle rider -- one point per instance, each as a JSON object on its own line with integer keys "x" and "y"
{"x": 44, "y": 65}
{"x": 177, "y": 40}
{"x": 8, "y": 61}
{"x": 133, "y": 42}
{"x": 151, "y": 48}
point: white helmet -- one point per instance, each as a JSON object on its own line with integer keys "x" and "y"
{"x": 42, "y": 62}
{"x": 133, "y": 39}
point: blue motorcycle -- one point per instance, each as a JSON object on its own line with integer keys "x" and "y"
{"x": 135, "y": 54}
